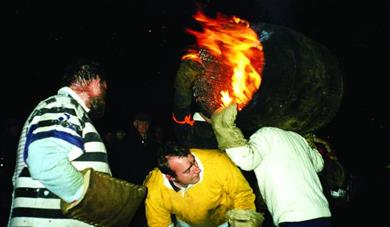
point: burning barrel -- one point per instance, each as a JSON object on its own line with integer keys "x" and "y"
{"x": 301, "y": 83}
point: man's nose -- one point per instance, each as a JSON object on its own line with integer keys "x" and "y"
{"x": 196, "y": 169}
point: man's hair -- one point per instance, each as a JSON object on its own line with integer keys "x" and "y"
{"x": 142, "y": 117}
{"x": 170, "y": 150}
{"x": 82, "y": 71}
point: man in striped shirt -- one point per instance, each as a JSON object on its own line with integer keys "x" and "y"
{"x": 59, "y": 140}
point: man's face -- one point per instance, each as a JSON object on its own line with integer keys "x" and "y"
{"x": 186, "y": 169}
{"x": 98, "y": 99}
{"x": 142, "y": 126}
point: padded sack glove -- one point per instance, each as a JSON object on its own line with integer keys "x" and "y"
{"x": 187, "y": 73}
{"x": 106, "y": 201}
{"x": 244, "y": 218}
{"x": 225, "y": 130}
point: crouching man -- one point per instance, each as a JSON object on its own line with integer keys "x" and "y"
{"x": 198, "y": 188}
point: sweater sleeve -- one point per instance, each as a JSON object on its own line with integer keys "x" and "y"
{"x": 157, "y": 214}
{"x": 50, "y": 139}
{"x": 48, "y": 163}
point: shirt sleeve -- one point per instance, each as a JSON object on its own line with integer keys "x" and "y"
{"x": 316, "y": 159}
{"x": 237, "y": 186}
{"x": 244, "y": 157}
{"x": 248, "y": 157}
{"x": 48, "y": 163}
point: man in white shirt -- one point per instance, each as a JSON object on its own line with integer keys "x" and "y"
{"x": 286, "y": 169}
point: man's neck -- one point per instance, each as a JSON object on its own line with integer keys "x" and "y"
{"x": 181, "y": 186}
{"x": 177, "y": 186}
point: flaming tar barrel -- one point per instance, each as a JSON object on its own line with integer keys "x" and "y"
{"x": 301, "y": 83}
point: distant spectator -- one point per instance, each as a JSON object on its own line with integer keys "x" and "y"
{"x": 135, "y": 156}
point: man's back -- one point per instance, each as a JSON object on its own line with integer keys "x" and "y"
{"x": 288, "y": 175}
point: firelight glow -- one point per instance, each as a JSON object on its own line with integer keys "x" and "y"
{"x": 235, "y": 45}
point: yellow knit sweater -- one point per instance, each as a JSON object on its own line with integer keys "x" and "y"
{"x": 222, "y": 187}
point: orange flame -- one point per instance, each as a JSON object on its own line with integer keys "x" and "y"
{"x": 235, "y": 45}
{"x": 187, "y": 120}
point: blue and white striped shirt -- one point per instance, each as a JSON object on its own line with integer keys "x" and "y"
{"x": 57, "y": 140}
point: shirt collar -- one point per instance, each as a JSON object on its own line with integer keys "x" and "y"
{"x": 198, "y": 117}
{"x": 73, "y": 94}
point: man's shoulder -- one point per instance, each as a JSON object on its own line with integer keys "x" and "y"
{"x": 154, "y": 178}
{"x": 270, "y": 129}
{"x": 54, "y": 104}
{"x": 211, "y": 156}
{"x": 57, "y": 101}
{"x": 270, "y": 132}
{"x": 207, "y": 153}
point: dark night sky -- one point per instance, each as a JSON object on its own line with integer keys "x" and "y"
{"x": 140, "y": 44}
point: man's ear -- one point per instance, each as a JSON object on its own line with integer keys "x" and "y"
{"x": 135, "y": 123}
{"x": 94, "y": 87}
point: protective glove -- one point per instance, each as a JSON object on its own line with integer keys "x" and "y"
{"x": 187, "y": 73}
{"x": 106, "y": 201}
{"x": 228, "y": 135}
{"x": 244, "y": 218}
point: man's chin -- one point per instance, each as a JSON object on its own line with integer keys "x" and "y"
{"x": 196, "y": 180}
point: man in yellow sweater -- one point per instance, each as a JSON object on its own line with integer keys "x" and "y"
{"x": 199, "y": 188}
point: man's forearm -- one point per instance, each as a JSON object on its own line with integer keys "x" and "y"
{"x": 228, "y": 135}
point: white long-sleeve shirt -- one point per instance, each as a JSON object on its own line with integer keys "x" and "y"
{"x": 286, "y": 168}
